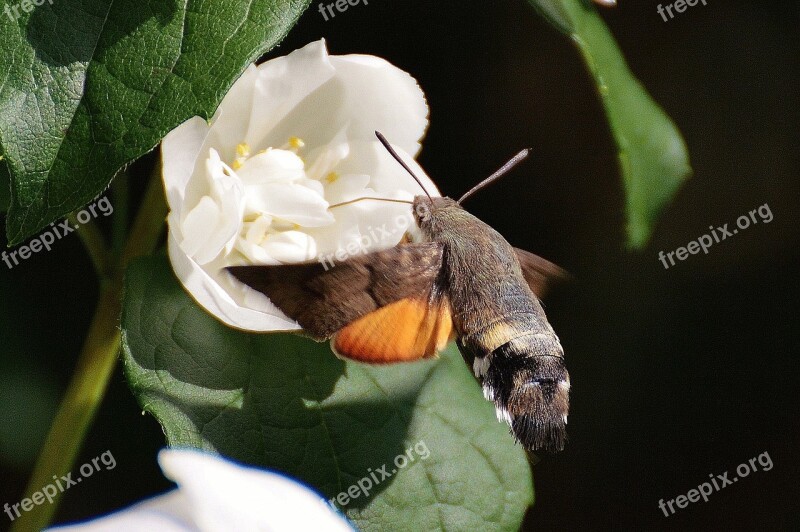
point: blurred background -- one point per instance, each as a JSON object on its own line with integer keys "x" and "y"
{"x": 676, "y": 374}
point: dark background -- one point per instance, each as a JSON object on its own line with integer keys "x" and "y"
{"x": 676, "y": 374}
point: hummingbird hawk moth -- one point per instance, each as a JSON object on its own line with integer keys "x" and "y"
{"x": 462, "y": 280}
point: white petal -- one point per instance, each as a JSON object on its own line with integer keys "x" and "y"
{"x": 282, "y": 88}
{"x": 387, "y": 176}
{"x": 228, "y": 300}
{"x": 231, "y": 121}
{"x": 346, "y": 187}
{"x": 365, "y": 94}
{"x": 166, "y": 513}
{"x": 224, "y": 216}
{"x": 294, "y": 203}
{"x": 327, "y": 156}
{"x": 314, "y": 185}
{"x": 369, "y": 83}
{"x": 256, "y": 231}
{"x": 198, "y": 224}
{"x": 216, "y": 495}
{"x": 363, "y": 227}
{"x": 179, "y": 152}
{"x": 227, "y": 496}
{"x": 290, "y": 246}
{"x": 272, "y": 166}
{"x": 254, "y": 253}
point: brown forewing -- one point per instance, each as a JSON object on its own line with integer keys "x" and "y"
{"x": 323, "y": 298}
{"x": 540, "y": 274}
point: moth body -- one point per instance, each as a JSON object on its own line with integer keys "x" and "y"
{"x": 499, "y": 324}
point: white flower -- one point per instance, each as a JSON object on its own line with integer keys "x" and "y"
{"x": 255, "y": 185}
{"x": 215, "y": 495}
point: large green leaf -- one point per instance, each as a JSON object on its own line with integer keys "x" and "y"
{"x": 87, "y": 87}
{"x": 652, "y": 153}
{"x": 286, "y": 403}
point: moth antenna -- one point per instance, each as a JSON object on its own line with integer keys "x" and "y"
{"x": 518, "y": 158}
{"x": 342, "y": 204}
{"x": 399, "y": 160}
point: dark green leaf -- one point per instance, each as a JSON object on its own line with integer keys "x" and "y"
{"x": 87, "y": 87}
{"x": 652, "y": 153}
{"x": 286, "y": 403}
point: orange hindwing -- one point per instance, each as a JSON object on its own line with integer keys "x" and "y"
{"x": 406, "y": 330}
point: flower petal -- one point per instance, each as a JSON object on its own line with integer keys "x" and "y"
{"x": 228, "y": 496}
{"x": 363, "y": 94}
{"x": 179, "y": 152}
{"x": 229, "y": 301}
{"x": 222, "y": 208}
{"x": 230, "y": 123}
{"x": 281, "y": 85}
{"x": 168, "y": 513}
{"x": 217, "y": 495}
{"x": 386, "y": 175}
{"x": 271, "y": 166}
{"x": 346, "y": 187}
{"x": 369, "y": 83}
{"x": 291, "y": 202}
{"x": 291, "y": 246}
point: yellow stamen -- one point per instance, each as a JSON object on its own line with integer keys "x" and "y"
{"x": 243, "y": 149}
{"x": 296, "y": 142}
{"x": 237, "y": 163}
{"x": 332, "y": 177}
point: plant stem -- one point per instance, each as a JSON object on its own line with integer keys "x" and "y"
{"x": 97, "y": 359}
{"x": 120, "y": 192}
{"x": 95, "y": 245}
{"x": 78, "y": 407}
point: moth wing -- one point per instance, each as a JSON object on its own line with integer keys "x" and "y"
{"x": 325, "y": 297}
{"x": 406, "y": 330}
{"x": 540, "y": 274}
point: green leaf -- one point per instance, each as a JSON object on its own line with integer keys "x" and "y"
{"x": 87, "y": 87}
{"x": 652, "y": 154}
{"x": 286, "y": 403}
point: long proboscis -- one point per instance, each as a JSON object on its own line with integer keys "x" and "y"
{"x": 392, "y": 200}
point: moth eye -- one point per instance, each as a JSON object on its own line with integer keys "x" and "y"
{"x": 422, "y": 212}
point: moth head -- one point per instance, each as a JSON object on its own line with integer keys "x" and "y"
{"x": 426, "y": 209}
{"x": 423, "y": 207}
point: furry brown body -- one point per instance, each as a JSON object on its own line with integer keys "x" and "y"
{"x": 501, "y": 328}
